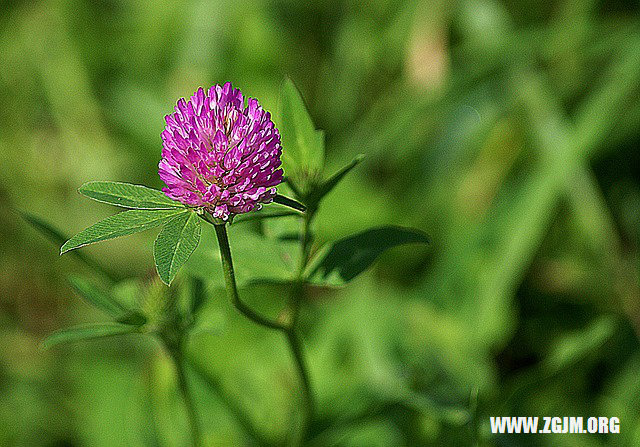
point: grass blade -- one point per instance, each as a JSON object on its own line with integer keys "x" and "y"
{"x": 86, "y": 332}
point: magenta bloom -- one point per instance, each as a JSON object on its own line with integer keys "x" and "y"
{"x": 220, "y": 155}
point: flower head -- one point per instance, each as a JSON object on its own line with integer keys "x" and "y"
{"x": 219, "y": 154}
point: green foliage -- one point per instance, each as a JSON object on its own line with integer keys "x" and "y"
{"x": 350, "y": 256}
{"x": 106, "y": 302}
{"x": 122, "y": 224}
{"x": 45, "y": 228}
{"x": 96, "y": 297}
{"x": 286, "y": 201}
{"x": 573, "y": 347}
{"x": 324, "y": 188}
{"x": 127, "y": 195}
{"x": 175, "y": 244}
{"x": 56, "y": 236}
{"x": 303, "y": 158}
{"x": 86, "y": 332}
{"x": 176, "y": 241}
{"x": 198, "y": 295}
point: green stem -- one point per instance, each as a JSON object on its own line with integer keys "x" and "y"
{"x": 305, "y": 242}
{"x": 288, "y": 329}
{"x": 231, "y": 404}
{"x": 298, "y": 356}
{"x": 292, "y": 335}
{"x": 230, "y": 281}
{"x": 192, "y": 415}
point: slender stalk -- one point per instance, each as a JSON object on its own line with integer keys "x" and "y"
{"x": 301, "y": 365}
{"x": 305, "y": 242}
{"x": 292, "y": 333}
{"x": 288, "y": 329}
{"x": 230, "y": 281}
{"x": 232, "y": 406}
{"x": 192, "y": 415}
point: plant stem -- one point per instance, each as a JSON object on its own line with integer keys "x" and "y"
{"x": 192, "y": 415}
{"x": 298, "y": 356}
{"x": 230, "y": 281}
{"x": 292, "y": 334}
{"x": 233, "y": 407}
{"x": 288, "y": 329}
{"x": 305, "y": 241}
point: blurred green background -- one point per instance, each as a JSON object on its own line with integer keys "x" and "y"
{"x": 508, "y": 131}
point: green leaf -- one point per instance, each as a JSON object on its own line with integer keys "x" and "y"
{"x": 127, "y": 195}
{"x": 325, "y": 188}
{"x": 86, "y": 332}
{"x": 175, "y": 244}
{"x": 302, "y": 144}
{"x": 125, "y": 223}
{"x": 286, "y": 201}
{"x": 96, "y": 297}
{"x": 106, "y": 302}
{"x": 352, "y": 255}
{"x": 58, "y": 238}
